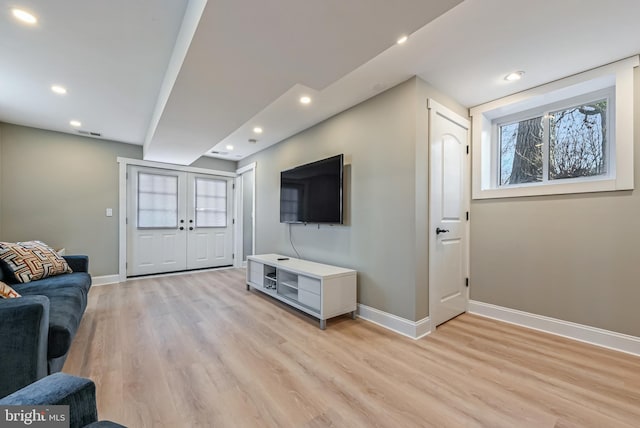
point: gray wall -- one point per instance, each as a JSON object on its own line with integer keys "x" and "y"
{"x": 574, "y": 258}
{"x": 216, "y": 164}
{"x": 380, "y": 139}
{"x": 55, "y": 187}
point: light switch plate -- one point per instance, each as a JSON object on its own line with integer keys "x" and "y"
{"x": 109, "y": 212}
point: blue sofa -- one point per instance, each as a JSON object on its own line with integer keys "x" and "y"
{"x": 37, "y": 328}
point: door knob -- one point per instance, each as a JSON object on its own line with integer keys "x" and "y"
{"x": 191, "y": 228}
{"x": 181, "y": 228}
{"x": 439, "y": 231}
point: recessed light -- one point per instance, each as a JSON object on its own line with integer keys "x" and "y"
{"x": 305, "y": 99}
{"x": 257, "y": 130}
{"x": 60, "y": 90}
{"x": 512, "y": 77}
{"x": 229, "y": 147}
{"x": 402, "y": 39}
{"x": 24, "y": 16}
{"x": 75, "y": 123}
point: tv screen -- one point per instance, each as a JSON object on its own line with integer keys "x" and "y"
{"x": 312, "y": 193}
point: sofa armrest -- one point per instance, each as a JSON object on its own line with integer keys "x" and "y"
{"x": 60, "y": 389}
{"x": 23, "y": 341}
{"x": 78, "y": 263}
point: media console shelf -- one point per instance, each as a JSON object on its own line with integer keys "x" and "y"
{"x": 320, "y": 290}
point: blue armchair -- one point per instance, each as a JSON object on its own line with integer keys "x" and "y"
{"x": 63, "y": 389}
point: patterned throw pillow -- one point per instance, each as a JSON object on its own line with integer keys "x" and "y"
{"x": 32, "y": 260}
{"x": 6, "y": 292}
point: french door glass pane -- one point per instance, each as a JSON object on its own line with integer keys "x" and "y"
{"x": 157, "y": 201}
{"x": 211, "y": 202}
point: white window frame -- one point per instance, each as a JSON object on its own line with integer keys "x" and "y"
{"x": 553, "y": 96}
{"x": 607, "y": 94}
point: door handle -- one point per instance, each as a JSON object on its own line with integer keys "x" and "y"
{"x": 439, "y": 231}
{"x": 190, "y": 228}
{"x": 181, "y": 228}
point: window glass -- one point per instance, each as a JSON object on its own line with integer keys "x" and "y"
{"x": 211, "y": 202}
{"x": 578, "y": 141}
{"x": 157, "y": 201}
{"x": 555, "y": 142}
{"x": 521, "y": 151}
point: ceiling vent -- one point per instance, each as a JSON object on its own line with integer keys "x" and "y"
{"x": 91, "y": 133}
{"x": 215, "y": 152}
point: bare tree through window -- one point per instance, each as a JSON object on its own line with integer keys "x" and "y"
{"x": 578, "y": 140}
{"x": 576, "y": 143}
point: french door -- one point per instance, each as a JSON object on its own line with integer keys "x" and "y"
{"x": 177, "y": 221}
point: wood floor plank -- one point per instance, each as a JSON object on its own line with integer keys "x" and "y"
{"x": 199, "y": 350}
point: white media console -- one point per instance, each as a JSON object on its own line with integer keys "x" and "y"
{"x": 320, "y": 290}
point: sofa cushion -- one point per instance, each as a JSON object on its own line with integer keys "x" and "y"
{"x": 76, "y": 279}
{"x": 32, "y": 260}
{"x": 6, "y": 292}
{"x": 68, "y": 299}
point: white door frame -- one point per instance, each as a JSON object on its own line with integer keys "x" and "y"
{"x": 239, "y": 232}
{"x": 122, "y": 200}
{"x": 465, "y": 123}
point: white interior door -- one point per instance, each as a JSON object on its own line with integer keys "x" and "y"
{"x": 449, "y": 204}
{"x": 177, "y": 221}
{"x": 156, "y": 236}
{"x": 209, "y": 228}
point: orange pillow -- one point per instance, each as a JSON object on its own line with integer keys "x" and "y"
{"x": 6, "y": 292}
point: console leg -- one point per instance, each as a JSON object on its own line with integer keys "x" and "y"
{"x": 353, "y": 315}
{"x": 323, "y": 324}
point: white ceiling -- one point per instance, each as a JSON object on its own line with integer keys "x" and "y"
{"x": 185, "y": 77}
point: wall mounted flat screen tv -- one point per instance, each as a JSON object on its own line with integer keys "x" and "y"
{"x": 312, "y": 193}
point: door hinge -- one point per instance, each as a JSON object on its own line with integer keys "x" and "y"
{"x": 467, "y": 149}
{"x": 233, "y": 256}
{"x": 466, "y": 282}
{"x": 127, "y": 176}
{"x": 467, "y": 215}
{"x": 233, "y": 185}
{"x": 126, "y": 220}
{"x": 233, "y": 221}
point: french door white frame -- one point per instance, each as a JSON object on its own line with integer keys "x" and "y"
{"x": 238, "y": 214}
{"x": 122, "y": 200}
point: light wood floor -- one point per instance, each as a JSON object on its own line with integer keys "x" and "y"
{"x": 199, "y": 350}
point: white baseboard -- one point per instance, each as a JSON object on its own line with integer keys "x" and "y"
{"x": 403, "y": 326}
{"x": 104, "y": 279}
{"x": 583, "y": 333}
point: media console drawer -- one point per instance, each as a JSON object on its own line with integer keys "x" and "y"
{"x": 320, "y": 290}
{"x": 310, "y": 299}
{"x": 311, "y": 285}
